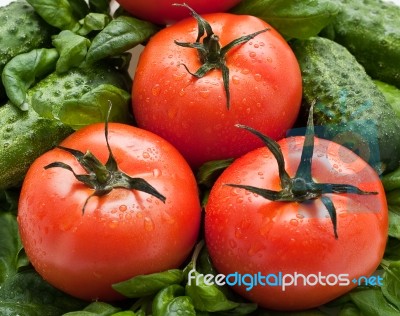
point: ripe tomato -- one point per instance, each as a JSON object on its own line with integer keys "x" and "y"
{"x": 247, "y": 233}
{"x": 121, "y": 234}
{"x": 192, "y": 113}
{"x": 163, "y": 11}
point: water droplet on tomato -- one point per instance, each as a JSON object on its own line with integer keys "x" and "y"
{"x": 113, "y": 224}
{"x": 146, "y": 155}
{"x": 252, "y": 54}
{"x": 238, "y": 233}
{"x": 148, "y": 224}
{"x": 204, "y": 93}
{"x": 156, "y": 172}
{"x": 232, "y": 243}
{"x": 235, "y": 79}
{"x": 257, "y": 77}
{"x": 123, "y": 208}
{"x": 294, "y": 222}
{"x": 156, "y": 89}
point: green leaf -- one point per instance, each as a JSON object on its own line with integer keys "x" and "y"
{"x": 100, "y": 6}
{"x": 96, "y": 309}
{"x": 60, "y": 13}
{"x": 391, "y": 181}
{"x": 10, "y": 246}
{"x": 371, "y": 302}
{"x": 26, "y": 293}
{"x": 93, "y": 107}
{"x": 79, "y": 8}
{"x": 392, "y": 250}
{"x": 149, "y": 284}
{"x": 120, "y": 35}
{"x": 210, "y": 171}
{"x": 171, "y": 301}
{"x": 21, "y": 72}
{"x": 124, "y": 313}
{"x": 394, "y": 221}
{"x": 292, "y": 18}
{"x": 207, "y": 297}
{"x": 72, "y": 49}
{"x": 92, "y": 22}
{"x": 393, "y": 197}
{"x": 9, "y": 200}
{"x": 391, "y": 283}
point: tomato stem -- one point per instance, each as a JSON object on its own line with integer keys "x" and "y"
{"x": 103, "y": 178}
{"x": 211, "y": 55}
{"x": 301, "y": 187}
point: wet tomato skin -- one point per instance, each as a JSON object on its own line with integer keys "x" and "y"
{"x": 121, "y": 234}
{"x": 192, "y": 114}
{"x": 246, "y": 233}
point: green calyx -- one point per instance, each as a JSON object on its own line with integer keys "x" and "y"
{"x": 301, "y": 187}
{"x": 103, "y": 178}
{"x": 211, "y": 54}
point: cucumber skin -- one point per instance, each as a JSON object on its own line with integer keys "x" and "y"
{"x": 348, "y": 103}
{"x": 24, "y": 135}
{"x": 370, "y": 30}
{"x": 21, "y": 30}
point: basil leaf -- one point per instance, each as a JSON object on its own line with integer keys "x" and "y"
{"x": 292, "y": 18}
{"x": 58, "y": 13}
{"x": 92, "y": 22}
{"x": 79, "y": 8}
{"x": 394, "y": 221}
{"x": 100, "y": 6}
{"x": 21, "y": 72}
{"x": 148, "y": 284}
{"x": 10, "y": 246}
{"x": 391, "y": 181}
{"x": 9, "y": 200}
{"x": 72, "y": 49}
{"x": 371, "y": 302}
{"x": 206, "y": 297}
{"x": 125, "y": 313}
{"x": 120, "y": 35}
{"x": 26, "y": 293}
{"x": 171, "y": 302}
{"x": 93, "y": 106}
{"x": 96, "y": 309}
{"x": 391, "y": 283}
{"x": 211, "y": 170}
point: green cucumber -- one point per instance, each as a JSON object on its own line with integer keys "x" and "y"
{"x": 391, "y": 93}
{"x": 21, "y": 30}
{"x": 370, "y": 30}
{"x": 25, "y": 135}
{"x": 349, "y": 108}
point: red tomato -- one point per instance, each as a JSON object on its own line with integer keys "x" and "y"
{"x": 265, "y": 88}
{"x": 247, "y": 233}
{"x": 121, "y": 234}
{"x": 163, "y": 11}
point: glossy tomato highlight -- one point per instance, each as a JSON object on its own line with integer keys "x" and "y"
{"x": 83, "y": 250}
{"x": 164, "y": 12}
{"x": 193, "y": 113}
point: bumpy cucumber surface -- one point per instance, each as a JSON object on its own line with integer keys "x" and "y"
{"x": 370, "y": 30}
{"x": 24, "y": 135}
{"x": 349, "y": 108}
{"x": 21, "y": 30}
